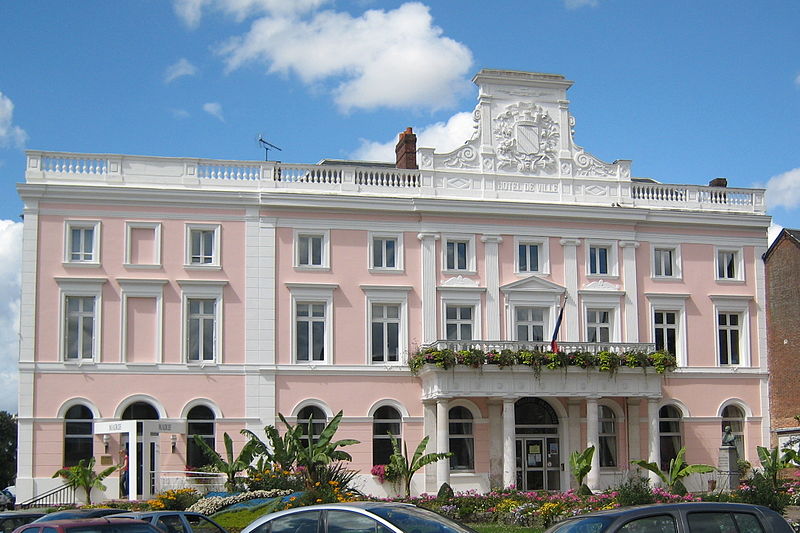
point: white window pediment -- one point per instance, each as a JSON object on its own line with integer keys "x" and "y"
{"x": 533, "y": 284}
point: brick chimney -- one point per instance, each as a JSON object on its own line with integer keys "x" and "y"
{"x": 406, "y": 149}
{"x": 718, "y": 182}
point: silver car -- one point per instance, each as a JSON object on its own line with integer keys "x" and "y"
{"x": 356, "y": 517}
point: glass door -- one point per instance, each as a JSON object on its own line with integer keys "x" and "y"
{"x": 538, "y": 463}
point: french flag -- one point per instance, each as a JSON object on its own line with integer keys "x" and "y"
{"x": 554, "y": 342}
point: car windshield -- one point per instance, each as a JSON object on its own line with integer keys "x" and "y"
{"x": 419, "y": 520}
{"x": 593, "y": 524}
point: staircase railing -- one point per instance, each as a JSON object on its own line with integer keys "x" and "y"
{"x": 63, "y": 495}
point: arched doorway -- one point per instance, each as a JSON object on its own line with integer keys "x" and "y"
{"x": 142, "y": 411}
{"x": 538, "y": 446}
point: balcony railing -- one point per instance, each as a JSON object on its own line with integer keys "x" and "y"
{"x": 618, "y": 348}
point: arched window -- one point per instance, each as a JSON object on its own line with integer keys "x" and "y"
{"x": 200, "y": 421}
{"x": 733, "y": 416}
{"x": 386, "y": 420}
{"x": 669, "y": 430}
{"x": 608, "y": 436}
{"x": 462, "y": 443}
{"x": 318, "y": 421}
{"x": 78, "y": 438}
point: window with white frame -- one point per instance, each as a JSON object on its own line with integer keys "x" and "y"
{"x": 733, "y": 418}
{"x": 82, "y": 242}
{"x": 729, "y": 333}
{"x": 202, "y": 320}
{"x": 312, "y": 416}
{"x": 386, "y": 423}
{"x": 598, "y": 325}
{"x": 311, "y": 249}
{"x": 80, "y": 318}
{"x": 665, "y": 328}
{"x": 529, "y": 323}
{"x": 458, "y": 253}
{"x": 385, "y": 332}
{"x": 142, "y": 244}
{"x": 531, "y": 255}
{"x": 669, "y": 431}
{"x": 462, "y": 442}
{"x": 202, "y": 245}
{"x": 666, "y": 261}
{"x": 459, "y": 320}
{"x": 598, "y": 259}
{"x": 601, "y": 258}
{"x": 729, "y": 264}
{"x": 607, "y": 436}
{"x": 386, "y": 252}
{"x": 312, "y": 309}
{"x": 78, "y": 435}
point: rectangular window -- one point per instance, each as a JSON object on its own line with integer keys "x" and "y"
{"x": 202, "y": 246}
{"x": 598, "y": 325}
{"x": 528, "y": 257}
{"x": 729, "y": 333}
{"x": 310, "y": 250}
{"x": 458, "y": 322}
{"x": 666, "y": 330}
{"x": 529, "y": 323}
{"x": 201, "y": 329}
{"x": 457, "y": 258}
{"x": 310, "y": 331}
{"x": 80, "y": 327}
{"x": 81, "y": 244}
{"x": 728, "y": 264}
{"x": 384, "y": 252}
{"x": 385, "y": 333}
{"x": 663, "y": 262}
{"x": 598, "y": 259}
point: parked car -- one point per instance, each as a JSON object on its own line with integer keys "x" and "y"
{"x": 74, "y": 514}
{"x": 356, "y": 517}
{"x": 11, "y": 520}
{"x": 176, "y": 521}
{"x": 700, "y": 517}
{"x": 89, "y": 525}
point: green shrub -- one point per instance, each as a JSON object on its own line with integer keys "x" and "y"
{"x": 635, "y": 491}
{"x": 759, "y": 490}
{"x": 175, "y": 500}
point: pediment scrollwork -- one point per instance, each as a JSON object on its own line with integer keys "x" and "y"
{"x": 526, "y": 139}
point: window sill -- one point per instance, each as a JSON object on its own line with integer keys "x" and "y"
{"x": 80, "y": 362}
{"x": 460, "y": 272}
{"x": 374, "y": 270}
{"x": 81, "y": 264}
{"x": 729, "y": 281}
{"x": 666, "y": 278}
{"x": 202, "y": 267}
{"x": 135, "y": 266}
{"x": 201, "y": 364}
{"x": 306, "y": 268}
{"x": 602, "y": 276}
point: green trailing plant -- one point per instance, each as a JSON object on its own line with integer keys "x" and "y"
{"x": 678, "y": 470}
{"x": 580, "y": 464}
{"x": 279, "y": 450}
{"x": 82, "y": 476}
{"x": 608, "y": 361}
{"x": 405, "y": 466}
{"x": 230, "y": 465}
{"x": 314, "y": 454}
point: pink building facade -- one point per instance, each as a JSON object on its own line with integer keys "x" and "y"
{"x": 202, "y": 297}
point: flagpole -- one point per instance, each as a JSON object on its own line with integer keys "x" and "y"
{"x": 554, "y": 341}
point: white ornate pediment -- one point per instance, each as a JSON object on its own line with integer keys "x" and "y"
{"x": 533, "y": 283}
{"x": 526, "y": 139}
{"x": 601, "y": 285}
{"x": 459, "y": 281}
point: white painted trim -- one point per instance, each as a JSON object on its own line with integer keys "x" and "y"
{"x": 142, "y": 288}
{"x": 207, "y": 290}
{"x": 390, "y": 402}
{"x": 602, "y": 302}
{"x": 136, "y": 398}
{"x": 216, "y": 261}
{"x": 313, "y": 293}
{"x": 311, "y": 402}
{"x": 72, "y": 402}
{"x": 740, "y": 274}
{"x": 95, "y": 225}
{"x": 612, "y": 258}
{"x": 544, "y": 254}
{"x": 325, "y": 252}
{"x": 461, "y": 297}
{"x": 677, "y": 262}
{"x": 135, "y": 224}
{"x": 733, "y": 304}
{"x": 548, "y": 301}
{"x": 202, "y": 402}
{"x": 81, "y": 287}
{"x": 471, "y": 253}
{"x": 670, "y": 302}
{"x": 392, "y": 296}
{"x": 399, "y": 251}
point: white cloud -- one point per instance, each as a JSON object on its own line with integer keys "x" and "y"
{"x": 10, "y": 135}
{"x": 797, "y": 80}
{"x": 577, "y": 4}
{"x": 10, "y": 251}
{"x": 783, "y": 190}
{"x": 179, "y": 113}
{"x": 191, "y": 11}
{"x": 395, "y": 58}
{"x": 214, "y": 109}
{"x": 772, "y": 232}
{"x": 180, "y": 68}
{"x": 443, "y": 136}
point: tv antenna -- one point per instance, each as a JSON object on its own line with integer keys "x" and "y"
{"x": 266, "y": 146}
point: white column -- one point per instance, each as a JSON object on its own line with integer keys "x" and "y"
{"x": 495, "y": 442}
{"x": 491, "y": 263}
{"x": 570, "y": 323}
{"x": 634, "y": 430}
{"x": 509, "y": 452}
{"x": 593, "y": 439}
{"x": 442, "y": 442}
{"x": 429, "y": 428}
{"x": 654, "y": 454}
{"x": 428, "y": 286}
{"x": 631, "y": 292}
{"x": 574, "y": 443}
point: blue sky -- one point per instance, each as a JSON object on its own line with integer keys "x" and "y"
{"x": 688, "y": 90}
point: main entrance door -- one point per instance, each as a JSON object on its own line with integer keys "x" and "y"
{"x": 538, "y": 446}
{"x": 145, "y": 478}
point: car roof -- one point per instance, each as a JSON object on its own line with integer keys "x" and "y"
{"x": 155, "y": 513}
{"x": 361, "y": 505}
{"x": 666, "y": 507}
{"x": 21, "y": 512}
{"x": 101, "y": 521}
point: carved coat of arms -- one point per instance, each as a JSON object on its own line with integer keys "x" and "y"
{"x": 527, "y": 139}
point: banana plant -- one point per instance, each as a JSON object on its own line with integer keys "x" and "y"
{"x": 677, "y": 471}
{"x": 230, "y": 466}
{"x": 773, "y": 461}
{"x": 580, "y": 464}
{"x": 404, "y": 467}
{"x": 83, "y": 476}
{"x": 279, "y": 450}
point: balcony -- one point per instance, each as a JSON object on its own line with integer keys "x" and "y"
{"x": 503, "y": 369}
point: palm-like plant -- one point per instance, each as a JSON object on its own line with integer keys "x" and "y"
{"x": 580, "y": 464}
{"x": 313, "y": 454}
{"x": 277, "y": 450}
{"x": 83, "y": 476}
{"x": 773, "y": 461}
{"x": 677, "y": 471}
{"x": 404, "y": 467}
{"x": 231, "y": 466}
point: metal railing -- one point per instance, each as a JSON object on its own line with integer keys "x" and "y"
{"x": 541, "y": 346}
{"x": 63, "y": 495}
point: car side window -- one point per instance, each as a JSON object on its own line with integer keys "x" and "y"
{"x": 302, "y": 522}
{"x": 710, "y": 522}
{"x": 49, "y": 530}
{"x": 346, "y": 521}
{"x": 663, "y": 523}
{"x": 170, "y": 524}
{"x": 201, "y": 524}
{"x": 32, "y": 529}
{"x": 748, "y": 523}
